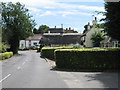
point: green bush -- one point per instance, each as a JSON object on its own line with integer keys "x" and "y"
{"x": 4, "y": 47}
{"x": 87, "y": 58}
{"x": 6, "y": 55}
{"x": 48, "y": 52}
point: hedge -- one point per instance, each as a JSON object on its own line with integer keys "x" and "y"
{"x": 90, "y": 59}
{"x": 48, "y": 52}
{"x": 6, "y": 55}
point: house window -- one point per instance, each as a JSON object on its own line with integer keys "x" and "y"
{"x": 112, "y": 44}
{"x": 22, "y": 45}
{"x": 29, "y": 45}
{"x": 118, "y": 44}
{"x": 35, "y": 43}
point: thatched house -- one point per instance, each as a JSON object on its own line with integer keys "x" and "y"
{"x": 60, "y": 39}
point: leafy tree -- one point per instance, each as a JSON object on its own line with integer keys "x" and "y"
{"x": 43, "y": 29}
{"x": 75, "y": 31}
{"x": 86, "y": 28}
{"x": 96, "y": 38}
{"x": 35, "y": 31}
{"x": 112, "y": 20}
{"x": 17, "y": 24}
{"x": 4, "y": 47}
{"x": 101, "y": 25}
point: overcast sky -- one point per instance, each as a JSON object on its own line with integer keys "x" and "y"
{"x": 70, "y": 13}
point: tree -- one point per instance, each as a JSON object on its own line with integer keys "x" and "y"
{"x": 86, "y": 28}
{"x": 96, "y": 38}
{"x": 112, "y": 20}
{"x": 43, "y": 29}
{"x": 35, "y": 31}
{"x": 75, "y": 31}
{"x": 17, "y": 24}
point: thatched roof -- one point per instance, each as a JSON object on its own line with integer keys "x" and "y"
{"x": 57, "y": 38}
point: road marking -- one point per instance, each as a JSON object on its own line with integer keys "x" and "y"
{"x": 5, "y": 78}
{"x": 19, "y": 68}
{"x": 23, "y": 63}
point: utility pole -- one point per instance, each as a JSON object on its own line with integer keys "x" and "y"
{"x": 61, "y": 25}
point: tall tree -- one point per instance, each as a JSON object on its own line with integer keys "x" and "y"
{"x": 112, "y": 20}
{"x": 96, "y": 38}
{"x": 17, "y": 24}
{"x": 35, "y": 31}
{"x": 43, "y": 29}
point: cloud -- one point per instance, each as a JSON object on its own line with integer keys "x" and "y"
{"x": 48, "y": 13}
{"x": 74, "y": 12}
{"x": 54, "y": 4}
{"x": 63, "y": 13}
{"x": 79, "y": 0}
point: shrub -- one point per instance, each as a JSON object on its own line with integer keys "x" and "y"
{"x": 4, "y": 47}
{"x": 87, "y": 58}
{"x": 48, "y": 52}
{"x": 6, "y": 55}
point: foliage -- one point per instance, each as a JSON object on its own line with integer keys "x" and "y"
{"x": 112, "y": 20}
{"x": 101, "y": 13}
{"x": 41, "y": 46}
{"x": 76, "y": 46}
{"x": 75, "y": 31}
{"x": 96, "y": 38}
{"x": 4, "y": 47}
{"x": 43, "y": 29}
{"x": 90, "y": 59}
{"x": 6, "y": 55}
{"x": 35, "y": 31}
{"x": 17, "y": 24}
{"x": 86, "y": 28}
{"x": 48, "y": 52}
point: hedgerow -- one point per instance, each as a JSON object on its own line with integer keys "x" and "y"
{"x": 102, "y": 59}
{"x": 48, "y": 52}
{"x": 6, "y": 55}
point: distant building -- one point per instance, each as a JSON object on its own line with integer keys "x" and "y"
{"x": 55, "y": 30}
{"x": 109, "y": 42}
{"x": 60, "y": 39}
{"x": 30, "y": 41}
{"x": 86, "y": 39}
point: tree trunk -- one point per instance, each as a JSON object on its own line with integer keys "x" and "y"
{"x": 14, "y": 46}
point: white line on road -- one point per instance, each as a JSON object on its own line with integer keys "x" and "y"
{"x": 5, "y": 78}
{"x": 23, "y": 63}
{"x": 19, "y": 68}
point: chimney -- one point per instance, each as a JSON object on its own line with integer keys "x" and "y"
{"x": 48, "y": 31}
{"x": 69, "y": 28}
{"x": 95, "y": 21}
{"x": 88, "y": 27}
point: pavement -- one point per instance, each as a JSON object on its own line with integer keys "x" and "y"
{"x": 28, "y": 70}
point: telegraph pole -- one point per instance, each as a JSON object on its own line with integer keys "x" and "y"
{"x": 61, "y": 25}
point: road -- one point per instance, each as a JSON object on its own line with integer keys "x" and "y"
{"x": 28, "y": 70}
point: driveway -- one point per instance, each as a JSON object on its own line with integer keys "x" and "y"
{"x": 28, "y": 70}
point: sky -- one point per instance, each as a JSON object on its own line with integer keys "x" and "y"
{"x": 70, "y": 13}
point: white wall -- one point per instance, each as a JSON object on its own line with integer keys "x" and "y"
{"x": 88, "y": 41}
{"x": 22, "y": 43}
